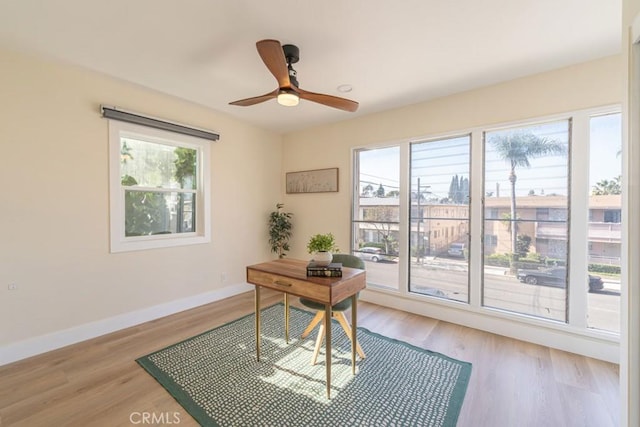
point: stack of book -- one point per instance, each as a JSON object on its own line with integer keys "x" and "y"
{"x": 332, "y": 270}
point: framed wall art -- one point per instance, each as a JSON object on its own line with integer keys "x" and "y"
{"x": 313, "y": 181}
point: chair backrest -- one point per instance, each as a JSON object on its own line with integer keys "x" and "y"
{"x": 350, "y": 261}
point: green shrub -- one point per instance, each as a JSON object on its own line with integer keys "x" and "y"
{"x": 604, "y": 268}
{"x": 554, "y": 262}
{"x": 528, "y": 265}
{"x": 532, "y": 257}
{"x": 498, "y": 260}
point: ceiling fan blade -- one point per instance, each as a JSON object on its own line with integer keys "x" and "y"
{"x": 273, "y": 57}
{"x": 331, "y": 101}
{"x": 255, "y": 99}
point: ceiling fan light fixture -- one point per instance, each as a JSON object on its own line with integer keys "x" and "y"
{"x": 278, "y": 59}
{"x": 288, "y": 98}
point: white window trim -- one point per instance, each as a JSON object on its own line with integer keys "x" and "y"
{"x": 120, "y": 243}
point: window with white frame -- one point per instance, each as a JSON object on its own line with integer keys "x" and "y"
{"x": 604, "y": 231}
{"x": 376, "y": 215}
{"x": 157, "y": 188}
{"x": 531, "y": 164}
{"x": 439, "y": 233}
{"x": 547, "y": 221}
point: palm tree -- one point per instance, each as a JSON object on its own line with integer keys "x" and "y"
{"x": 517, "y": 148}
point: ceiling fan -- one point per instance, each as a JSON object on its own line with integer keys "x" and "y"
{"x": 278, "y": 59}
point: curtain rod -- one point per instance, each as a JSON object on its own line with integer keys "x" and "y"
{"x": 140, "y": 119}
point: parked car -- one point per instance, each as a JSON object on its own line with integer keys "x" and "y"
{"x": 555, "y": 276}
{"x": 456, "y": 250}
{"x": 370, "y": 253}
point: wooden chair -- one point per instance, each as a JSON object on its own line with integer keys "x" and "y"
{"x": 337, "y": 311}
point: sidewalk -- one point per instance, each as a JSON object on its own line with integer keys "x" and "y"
{"x": 461, "y": 265}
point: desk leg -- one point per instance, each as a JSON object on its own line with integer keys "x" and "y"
{"x": 354, "y": 327}
{"x": 286, "y": 317}
{"x": 327, "y": 328}
{"x": 257, "y": 322}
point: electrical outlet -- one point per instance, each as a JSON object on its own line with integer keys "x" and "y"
{"x": 223, "y": 277}
{"x": 13, "y": 286}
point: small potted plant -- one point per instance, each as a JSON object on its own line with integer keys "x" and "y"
{"x": 322, "y": 246}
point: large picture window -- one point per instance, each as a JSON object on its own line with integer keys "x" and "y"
{"x": 520, "y": 221}
{"x": 376, "y": 214}
{"x": 604, "y": 230}
{"x": 439, "y": 218}
{"x": 157, "y": 188}
{"x": 527, "y": 182}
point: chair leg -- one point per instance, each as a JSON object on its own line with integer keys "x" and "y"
{"x": 313, "y": 323}
{"x": 342, "y": 319}
{"x": 319, "y": 340}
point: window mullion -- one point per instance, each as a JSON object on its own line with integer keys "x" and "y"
{"x": 158, "y": 189}
{"x": 404, "y": 219}
{"x": 579, "y": 214}
{"x": 476, "y": 216}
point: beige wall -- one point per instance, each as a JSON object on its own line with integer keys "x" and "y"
{"x": 54, "y": 240}
{"x": 54, "y": 212}
{"x": 587, "y": 85}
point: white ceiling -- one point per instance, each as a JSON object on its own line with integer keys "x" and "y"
{"x": 393, "y": 53}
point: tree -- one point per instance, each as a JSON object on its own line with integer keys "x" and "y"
{"x": 607, "y": 187}
{"x": 367, "y": 190}
{"x": 381, "y": 218}
{"x": 464, "y": 191}
{"x": 517, "y": 149}
{"x": 143, "y": 210}
{"x": 523, "y": 244}
{"x": 125, "y": 152}
{"x": 459, "y": 190}
{"x": 454, "y": 187}
{"x": 380, "y": 192}
{"x": 185, "y": 163}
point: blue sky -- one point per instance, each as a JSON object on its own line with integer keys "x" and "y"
{"x": 437, "y": 161}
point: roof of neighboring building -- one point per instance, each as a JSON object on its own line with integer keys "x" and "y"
{"x": 611, "y": 201}
{"x": 527, "y": 202}
{"x": 379, "y": 201}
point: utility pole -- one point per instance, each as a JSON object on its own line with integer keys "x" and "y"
{"x": 420, "y": 241}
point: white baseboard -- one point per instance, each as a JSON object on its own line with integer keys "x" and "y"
{"x": 603, "y": 347}
{"x": 44, "y": 343}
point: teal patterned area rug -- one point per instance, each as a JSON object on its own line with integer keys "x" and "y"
{"x": 216, "y": 378}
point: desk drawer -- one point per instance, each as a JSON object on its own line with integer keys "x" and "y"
{"x": 297, "y": 287}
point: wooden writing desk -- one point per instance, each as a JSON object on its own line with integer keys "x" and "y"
{"x": 290, "y": 276}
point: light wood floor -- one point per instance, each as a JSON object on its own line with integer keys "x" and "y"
{"x": 513, "y": 383}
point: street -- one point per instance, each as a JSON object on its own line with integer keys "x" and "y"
{"x": 447, "y": 278}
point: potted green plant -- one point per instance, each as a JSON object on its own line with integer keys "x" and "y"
{"x": 322, "y": 246}
{"x": 280, "y": 227}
